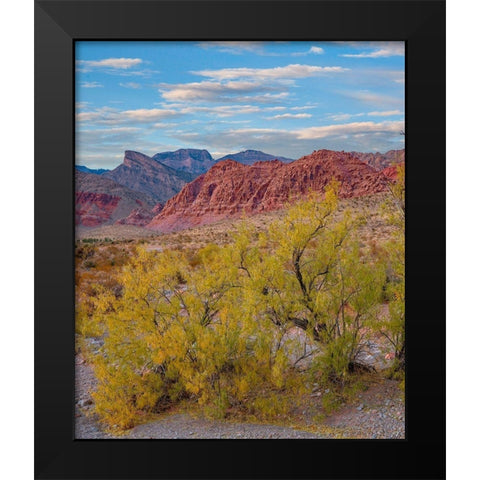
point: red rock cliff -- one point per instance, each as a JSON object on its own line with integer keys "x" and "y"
{"x": 229, "y": 188}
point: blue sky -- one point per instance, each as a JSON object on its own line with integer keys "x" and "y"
{"x": 284, "y": 98}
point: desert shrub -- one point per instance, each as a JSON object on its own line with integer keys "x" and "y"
{"x": 392, "y": 326}
{"x": 220, "y": 326}
{"x": 90, "y": 240}
{"x": 312, "y": 275}
{"x": 85, "y": 325}
{"x": 181, "y": 332}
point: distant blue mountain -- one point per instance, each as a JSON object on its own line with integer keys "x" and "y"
{"x": 249, "y": 157}
{"x": 97, "y": 171}
{"x": 188, "y": 163}
{"x": 189, "y": 160}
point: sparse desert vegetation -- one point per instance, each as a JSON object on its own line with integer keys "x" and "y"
{"x": 254, "y": 319}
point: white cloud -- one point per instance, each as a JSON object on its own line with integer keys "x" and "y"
{"x": 119, "y": 130}
{"x": 147, "y": 115}
{"x": 211, "y": 91}
{"x": 386, "y": 113}
{"x": 224, "y": 110}
{"x": 349, "y": 129}
{"x": 377, "y": 99}
{"x": 313, "y": 50}
{"x": 304, "y": 107}
{"x": 252, "y": 85}
{"x": 372, "y": 77}
{"x": 110, "y": 135}
{"x": 316, "y": 132}
{"x": 91, "y": 85}
{"x": 105, "y": 147}
{"x": 130, "y": 85}
{"x": 316, "y": 50}
{"x": 145, "y": 72}
{"x": 288, "y": 72}
{"x": 110, "y": 116}
{"x": 259, "y": 85}
{"x": 268, "y": 98}
{"x": 290, "y": 115}
{"x": 258, "y": 48}
{"x": 165, "y": 125}
{"x": 327, "y": 130}
{"x": 340, "y": 117}
{"x": 388, "y": 49}
{"x": 220, "y": 110}
{"x": 358, "y": 136}
{"x": 81, "y": 105}
{"x": 117, "y": 63}
{"x": 235, "y": 48}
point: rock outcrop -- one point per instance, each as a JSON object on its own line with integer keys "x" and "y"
{"x": 230, "y": 189}
{"x": 391, "y": 172}
{"x": 142, "y": 173}
{"x": 101, "y": 201}
{"x": 141, "y": 216}
{"x": 94, "y": 209}
{"x": 379, "y": 161}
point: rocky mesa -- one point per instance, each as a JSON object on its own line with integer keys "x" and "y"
{"x": 230, "y": 189}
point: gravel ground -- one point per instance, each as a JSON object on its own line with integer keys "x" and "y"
{"x": 86, "y": 425}
{"x": 376, "y": 413}
{"x": 184, "y": 426}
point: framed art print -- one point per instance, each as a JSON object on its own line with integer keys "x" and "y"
{"x": 239, "y": 217}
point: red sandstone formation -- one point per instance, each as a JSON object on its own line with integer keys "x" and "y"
{"x": 157, "y": 208}
{"x": 229, "y": 188}
{"x": 391, "y": 172}
{"x": 93, "y": 209}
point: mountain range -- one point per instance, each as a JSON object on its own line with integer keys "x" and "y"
{"x": 145, "y": 191}
{"x": 195, "y": 162}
